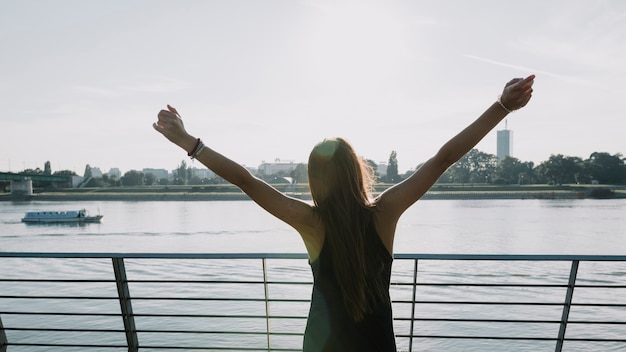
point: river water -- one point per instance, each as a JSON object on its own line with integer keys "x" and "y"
{"x": 584, "y": 226}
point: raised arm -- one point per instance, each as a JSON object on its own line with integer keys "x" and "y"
{"x": 292, "y": 211}
{"x": 396, "y": 199}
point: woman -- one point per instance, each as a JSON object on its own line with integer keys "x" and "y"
{"x": 348, "y": 234}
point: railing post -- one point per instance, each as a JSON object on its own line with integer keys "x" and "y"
{"x": 267, "y": 304}
{"x": 3, "y": 338}
{"x": 127, "y": 309}
{"x": 566, "y": 306}
{"x": 413, "y": 305}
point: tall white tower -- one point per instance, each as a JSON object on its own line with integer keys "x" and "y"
{"x": 505, "y": 142}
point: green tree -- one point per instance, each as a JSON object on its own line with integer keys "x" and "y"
{"x": 164, "y": 182}
{"x": 301, "y": 174}
{"x": 182, "y": 174}
{"x": 149, "y": 179}
{"x": 607, "y": 168}
{"x": 457, "y": 173}
{"x": 133, "y": 178}
{"x": 560, "y": 169}
{"x": 511, "y": 170}
{"x": 473, "y": 167}
{"x": 392, "y": 168}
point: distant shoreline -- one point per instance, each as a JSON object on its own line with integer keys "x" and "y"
{"x": 437, "y": 192}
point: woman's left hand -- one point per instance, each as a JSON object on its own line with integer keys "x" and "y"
{"x": 170, "y": 124}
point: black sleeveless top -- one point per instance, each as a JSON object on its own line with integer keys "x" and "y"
{"x": 330, "y": 327}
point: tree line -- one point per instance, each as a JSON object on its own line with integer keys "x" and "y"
{"x": 480, "y": 167}
{"x": 475, "y": 167}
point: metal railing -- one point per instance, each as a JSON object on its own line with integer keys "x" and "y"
{"x": 259, "y": 302}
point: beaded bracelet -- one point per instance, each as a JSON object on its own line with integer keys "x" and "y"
{"x": 502, "y": 105}
{"x": 200, "y": 149}
{"x": 196, "y": 150}
{"x": 198, "y": 141}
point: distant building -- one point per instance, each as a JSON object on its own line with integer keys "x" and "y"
{"x": 505, "y": 143}
{"x": 96, "y": 172}
{"x": 381, "y": 169}
{"x": 158, "y": 173}
{"x": 115, "y": 173}
{"x": 202, "y": 173}
{"x": 277, "y": 166}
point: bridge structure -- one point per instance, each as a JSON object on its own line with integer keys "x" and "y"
{"x": 22, "y": 183}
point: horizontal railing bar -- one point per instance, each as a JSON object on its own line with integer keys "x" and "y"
{"x": 149, "y": 331}
{"x": 178, "y": 256}
{"x": 154, "y": 347}
{"x": 469, "y": 337}
{"x": 468, "y": 320}
{"x": 504, "y": 285}
{"x": 423, "y": 256}
{"x": 220, "y": 348}
{"x": 515, "y": 303}
{"x": 161, "y": 281}
{"x": 219, "y": 282}
{"x": 529, "y": 321}
{"x": 62, "y": 345}
{"x": 282, "y": 300}
{"x": 307, "y": 283}
{"x": 146, "y": 315}
{"x": 600, "y": 286}
{"x": 221, "y": 332}
{"x": 480, "y": 284}
{"x": 591, "y": 339}
{"x": 598, "y": 304}
{"x": 208, "y": 299}
{"x": 287, "y": 300}
{"x": 222, "y": 316}
{"x": 64, "y": 330}
{"x": 487, "y": 303}
{"x": 478, "y": 337}
{"x": 510, "y": 257}
{"x": 57, "y": 280}
{"x": 64, "y": 314}
{"x": 60, "y": 297}
{"x": 592, "y": 322}
{"x": 512, "y": 285}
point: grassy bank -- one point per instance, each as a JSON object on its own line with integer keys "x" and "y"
{"x": 229, "y": 192}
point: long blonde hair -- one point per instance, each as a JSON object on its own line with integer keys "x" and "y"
{"x": 341, "y": 183}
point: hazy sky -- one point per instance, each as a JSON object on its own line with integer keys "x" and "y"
{"x": 82, "y": 81}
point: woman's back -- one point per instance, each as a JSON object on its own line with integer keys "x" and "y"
{"x": 330, "y": 326}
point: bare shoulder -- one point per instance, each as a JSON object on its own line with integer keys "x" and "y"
{"x": 311, "y": 230}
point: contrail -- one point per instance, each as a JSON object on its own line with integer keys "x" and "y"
{"x": 517, "y": 67}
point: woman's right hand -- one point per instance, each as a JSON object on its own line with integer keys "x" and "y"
{"x": 517, "y": 92}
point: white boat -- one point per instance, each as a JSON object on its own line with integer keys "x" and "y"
{"x": 74, "y": 216}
